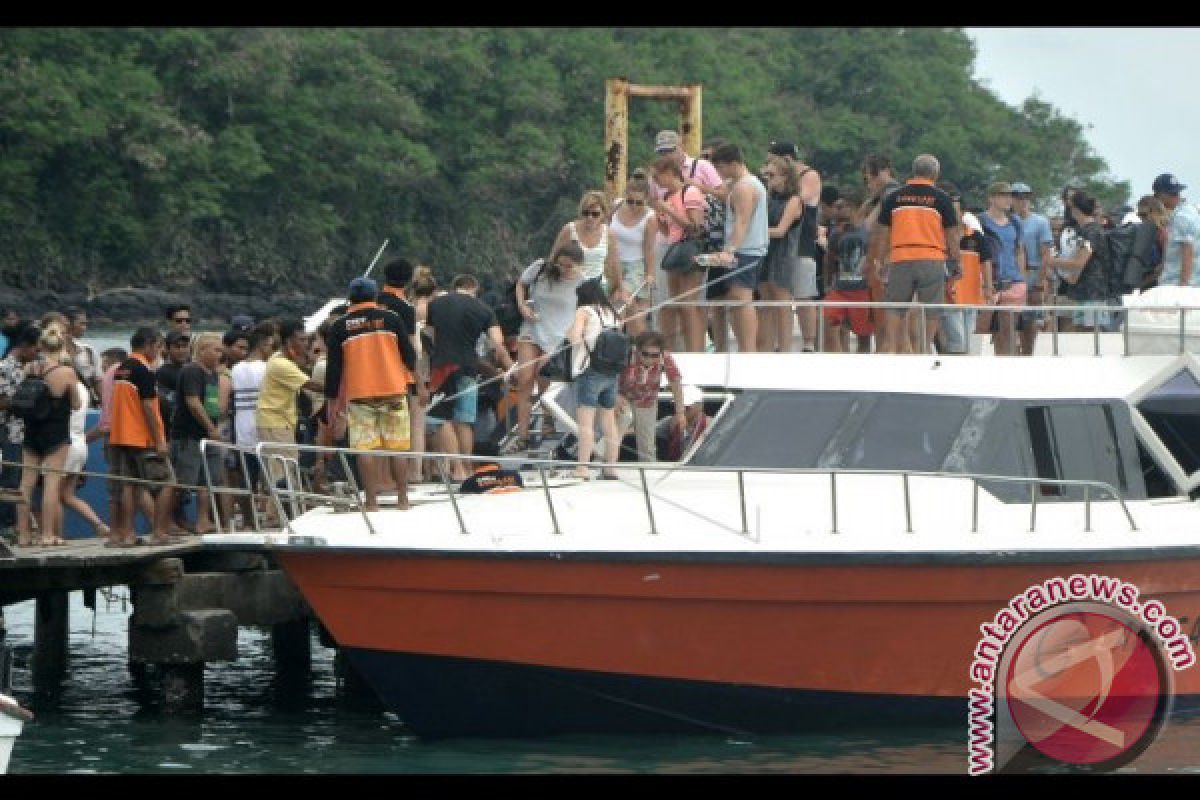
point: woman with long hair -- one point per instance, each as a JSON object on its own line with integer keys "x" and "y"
{"x": 683, "y": 209}
{"x": 595, "y": 239}
{"x": 595, "y": 392}
{"x": 782, "y": 271}
{"x": 48, "y": 440}
{"x": 635, "y": 231}
{"x": 546, "y": 299}
{"x": 1152, "y": 211}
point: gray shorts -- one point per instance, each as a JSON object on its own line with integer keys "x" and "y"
{"x": 797, "y": 275}
{"x": 189, "y": 469}
{"x": 927, "y": 279}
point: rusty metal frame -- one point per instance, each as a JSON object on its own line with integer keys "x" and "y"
{"x": 617, "y": 92}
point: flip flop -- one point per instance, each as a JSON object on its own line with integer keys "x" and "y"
{"x": 122, "y": 544}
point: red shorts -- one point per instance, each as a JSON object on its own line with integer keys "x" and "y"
{"x": 860, "y": 318}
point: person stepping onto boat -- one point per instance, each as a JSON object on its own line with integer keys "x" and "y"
{"x": 371, "y": 355}
{"x": 594, "y": 388}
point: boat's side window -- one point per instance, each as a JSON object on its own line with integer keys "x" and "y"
{"x": 1173, "y": 411}
{"x": 1045, "y": 454}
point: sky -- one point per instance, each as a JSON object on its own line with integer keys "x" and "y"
{"x": 1123, "y": 84}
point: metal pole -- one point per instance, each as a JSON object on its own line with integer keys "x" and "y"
{"x": 354, "y": 487}
{"x": 974, "y": 505}
{"x": 212, "y": 496}
{"x": 1096, "y": 335}
{"x": 266, "y": 459}
{"x": 1182, "y": 328}
{"x": 549, "y": 500}
{"x": 1125, "y": 329}
{"x": 375, "y": 260}
{"x": 1054, "y": 332}
{"x": 1087, "y": 509}
{"x": 907, "y": 505}
{"x": 616, "y": 134}
{"x": 742, "y": 501}
{"x": 462, "y": 526}
{"x": 1033, "y": 493}
{"x": 691, "y": 114}
{"x": 924, "y": 331}
{"x": 250, "y": 488}
{"x": 820, "y": 328}
{"x": 646, "y": 494}
{"x": 833, "y": 499}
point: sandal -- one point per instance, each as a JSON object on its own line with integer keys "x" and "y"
{"x": 122, "y": 543}
{"x": 608, "y": 475}
{"x": 582, "y": 473}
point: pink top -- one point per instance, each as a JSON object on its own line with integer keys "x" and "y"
{"x": 688, "y": 197}
{"x": 706, "y": 175}
{"x": 106, "y": 391}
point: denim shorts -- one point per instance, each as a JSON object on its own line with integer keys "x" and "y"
{"x": 744, "y": 274}
{"x": 595, "y": 390}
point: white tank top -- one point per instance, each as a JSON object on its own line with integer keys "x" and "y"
{"x": 78, "y": 419}
{"x": 630, "y": 239}
{"x": 593, "y": 257}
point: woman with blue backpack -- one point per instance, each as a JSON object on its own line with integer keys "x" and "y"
{"x": 600, "y": 352}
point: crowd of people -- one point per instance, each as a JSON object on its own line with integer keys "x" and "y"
{"x": 411, "y": 366}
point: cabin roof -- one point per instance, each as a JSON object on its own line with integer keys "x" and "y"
{"x": 1063, "y": 377}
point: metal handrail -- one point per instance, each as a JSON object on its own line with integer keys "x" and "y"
{"x": 1121, "y": 311}
{"x": 541, "y": 464}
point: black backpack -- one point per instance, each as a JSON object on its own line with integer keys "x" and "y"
{"x": 611, "y": 353}
{"x": 713, "y": 238}
{"x": 33, "y": 401}
{"x": 1131, "y": 249}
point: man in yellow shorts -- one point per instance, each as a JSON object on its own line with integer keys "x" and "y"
{"x": 371, "y": 363}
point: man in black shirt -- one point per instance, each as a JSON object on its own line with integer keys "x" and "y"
{"x": 457, "y": 320}
{"x": 197, "y": 410}
{"x": 167, "y": 376}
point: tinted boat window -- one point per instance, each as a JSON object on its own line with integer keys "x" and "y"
{"x": 1173, "y": 411}
{"x": 774, "y": 429}
{"x": 907, "y": 432}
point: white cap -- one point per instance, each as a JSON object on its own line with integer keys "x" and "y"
{"x": 1131, "y": 218}
{"x": 692, "y": 395}
{"x": 971, "y": 221}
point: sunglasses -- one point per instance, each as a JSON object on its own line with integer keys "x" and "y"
{"x": 184, "y": 320}
{"x": 655, "y": 354}
{"x": 636, "y": 202}
{"x": 592, "y": 214}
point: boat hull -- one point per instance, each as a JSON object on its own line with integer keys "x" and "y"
{"x": 10, "y": 729}
{"x": 513, "y": 645}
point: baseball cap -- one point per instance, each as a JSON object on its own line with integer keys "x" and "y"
{"x": 666, "y": 140}
{"x": 784, "y": 149}
{"x": 1000, "y": 187}
{"x": 175, "y": 337}
{"x": 241, "y": 322}
{"x": 1167, "y": 184}
{"x": 1021, "y": 188}
{"x": 971, "y": 221}
{"x": 362, "y": 289}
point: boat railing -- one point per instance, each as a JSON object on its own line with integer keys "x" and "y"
{"x": 1119, "y": 316}
{"x": 1092, "y": 490}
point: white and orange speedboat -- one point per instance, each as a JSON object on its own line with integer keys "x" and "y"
{"x": 825, "y": 555}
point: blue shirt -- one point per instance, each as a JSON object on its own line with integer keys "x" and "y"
{"x": 1035, "y": 231}
{"x": 756, "y": 239}
{"x": 1004, "y": 263}
{"x": 1183, "y": 228}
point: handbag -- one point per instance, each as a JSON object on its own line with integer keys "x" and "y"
{"x": 558, "y": 364}
{"x": 681, "y": 256}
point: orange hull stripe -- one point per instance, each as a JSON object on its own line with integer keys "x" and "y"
{"x": 869, "y": 629}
